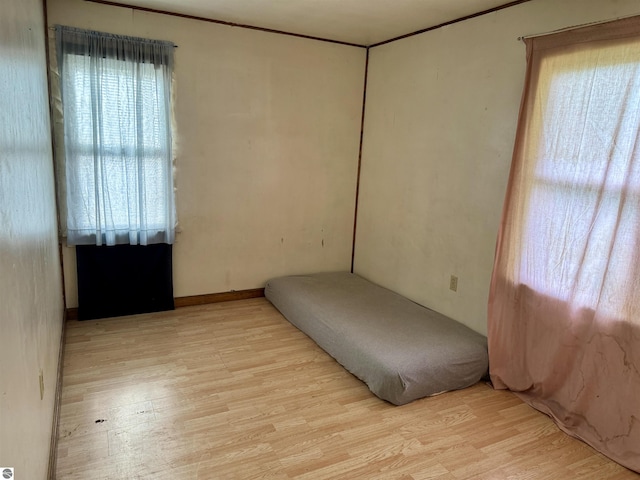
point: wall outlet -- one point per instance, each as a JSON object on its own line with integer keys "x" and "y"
{"x": 453, "y": 283}
{"x": 41, "y": 379}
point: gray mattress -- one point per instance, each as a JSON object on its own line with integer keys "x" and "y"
{"x": 401, "y": 350}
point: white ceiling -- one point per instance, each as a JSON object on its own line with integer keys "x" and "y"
{"x": 363, "y": 22}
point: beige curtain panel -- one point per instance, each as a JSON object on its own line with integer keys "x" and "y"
{"x": 564, "y": 305}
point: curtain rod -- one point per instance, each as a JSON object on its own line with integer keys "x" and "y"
{"x": 53, "y": 28}
{"x": 560, "y": 30}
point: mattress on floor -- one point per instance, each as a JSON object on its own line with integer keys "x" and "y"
{"x": 401, "y": 350}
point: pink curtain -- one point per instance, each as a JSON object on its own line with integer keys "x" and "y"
{"x": 564, "y": 305}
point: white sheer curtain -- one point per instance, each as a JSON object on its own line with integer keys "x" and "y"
{"x": 116, "y": 177}
{"x": 564, "y": 309}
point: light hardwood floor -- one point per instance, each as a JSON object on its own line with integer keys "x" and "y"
{"x": 233, "y": 391}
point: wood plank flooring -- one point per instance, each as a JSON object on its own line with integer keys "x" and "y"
{"x": 233, "y": 391}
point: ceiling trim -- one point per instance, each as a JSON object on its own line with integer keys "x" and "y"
{"x": 222, "y": 22}
{"x": 310, "y": 37}
{"x": 451, "y": 22}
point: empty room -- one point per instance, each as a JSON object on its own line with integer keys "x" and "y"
{"x": 316, "y": 239}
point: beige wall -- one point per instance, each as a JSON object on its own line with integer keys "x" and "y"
{"x": 30, "y": 280}
{"x": 268, "y": 138}
{"x": 268, "y": 132}
{"x": 440, "y": 124}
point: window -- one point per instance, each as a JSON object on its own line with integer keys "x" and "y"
{"x": 582, "y": 205}
{"x": 116, "y": 184}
